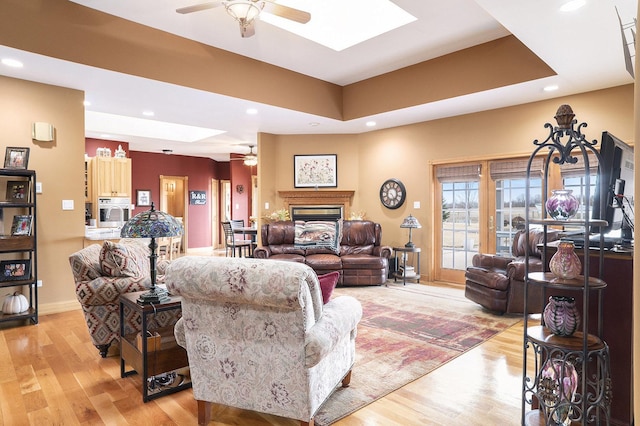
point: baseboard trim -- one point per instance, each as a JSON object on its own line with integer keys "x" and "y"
{"x": 56, "y": 308}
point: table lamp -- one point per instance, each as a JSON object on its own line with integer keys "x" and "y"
{"x": 410, "y": 222}
{"x": 152, "y": 224}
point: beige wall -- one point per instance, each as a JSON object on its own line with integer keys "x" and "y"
{"x": 365, "y": 161}
{"x": 59, "y": 165}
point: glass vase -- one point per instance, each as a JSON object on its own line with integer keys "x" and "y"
{"x": 557, "y": 387}
{"x": 561, "y": 315}
{"x": 565, "y": 263}
{"x": 562, "y": 205}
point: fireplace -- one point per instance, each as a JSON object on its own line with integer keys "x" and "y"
{"x": 328, "y": 205}
{"x": 306, "y": 213}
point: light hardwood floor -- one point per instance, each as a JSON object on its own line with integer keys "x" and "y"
{"x": 50, "y": 374}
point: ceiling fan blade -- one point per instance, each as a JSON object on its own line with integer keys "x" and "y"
{"x": 287, "y": 12}
{"x": 199, "y": 7}
{"x": 247, "y": 29}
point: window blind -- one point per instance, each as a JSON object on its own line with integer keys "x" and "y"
{"x": 468, "y": 172}
{"x": 515, "y": 168}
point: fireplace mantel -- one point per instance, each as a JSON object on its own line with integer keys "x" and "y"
{"x": 318, "y": 198}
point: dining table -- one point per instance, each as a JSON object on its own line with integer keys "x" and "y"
{"x": 250, "y": 232}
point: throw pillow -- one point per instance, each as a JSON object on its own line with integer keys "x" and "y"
{"x": 317, "y": 234}
{"x": 116, "y": 260}
{"x": 327, "y": 284}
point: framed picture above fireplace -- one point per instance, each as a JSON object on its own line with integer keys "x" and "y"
{"x": 315, "y": 171}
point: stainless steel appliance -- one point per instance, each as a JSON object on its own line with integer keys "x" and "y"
{"x": 113, "y": 212}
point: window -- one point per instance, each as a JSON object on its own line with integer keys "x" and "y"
{"x": 511, "y": 210}
{"x": 510, "y": 178}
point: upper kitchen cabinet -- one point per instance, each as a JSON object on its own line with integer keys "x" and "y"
{"x": 111, "y": 176}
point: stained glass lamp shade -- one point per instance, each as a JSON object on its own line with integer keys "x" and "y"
{"x": 152, "y": 224}
{"x": 410, "y": 222}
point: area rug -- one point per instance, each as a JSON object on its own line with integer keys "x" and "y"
{"x": 406, "y": 332}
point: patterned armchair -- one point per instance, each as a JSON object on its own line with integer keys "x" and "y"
{"x": 259, "y": 337}
{"x": 101, "y": 274}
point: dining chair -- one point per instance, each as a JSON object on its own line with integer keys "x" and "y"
{"x": 234, "y": 245}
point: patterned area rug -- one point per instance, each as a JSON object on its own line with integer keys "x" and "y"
{"x": 406, "y": 332}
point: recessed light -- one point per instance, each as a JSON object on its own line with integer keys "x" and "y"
{"x": 252, "y": 111}
{"x": 13, "y": 63}
{"x": 86, "y": 103}
{"x": 572, "y": 5}
{"x": 550, "y": 88}
{"x": 314, "y": 124}
{"x": 148, "y": 113}
{"x": 371, "y": 123}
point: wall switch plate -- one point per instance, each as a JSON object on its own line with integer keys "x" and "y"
{"x": 266, "y": 205}
{"x": 416, "y": 204}
{"x": 38, "y": 187}
{"x": 67, "y": 204}
{"x": 39, "y": 283}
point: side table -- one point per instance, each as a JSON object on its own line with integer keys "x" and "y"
{"x": 416, "y": 264}
{"x": 161, "y": 361}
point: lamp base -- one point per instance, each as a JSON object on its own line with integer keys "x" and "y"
{"x": 409, "y": 245}
{"x": 154, "y": 296}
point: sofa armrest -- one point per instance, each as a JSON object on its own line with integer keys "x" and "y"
{"x": 178, "y": 332}
{"x": 515, "y": 269}
{"x": 262, "y": 252}
{"x": 382, "y": 251}
{"x": 491, "y": 261}
{"x": 340, "y": 317}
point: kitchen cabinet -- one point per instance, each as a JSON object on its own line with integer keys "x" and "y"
{"x": 111, "y": 177}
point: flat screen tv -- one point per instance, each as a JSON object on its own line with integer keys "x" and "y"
{"x": 614, "y": 186}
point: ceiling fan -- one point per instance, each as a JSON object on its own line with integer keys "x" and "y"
{"x": 246, "y": 12}
{"x": 250, "y": 159}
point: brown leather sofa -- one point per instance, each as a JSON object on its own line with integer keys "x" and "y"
{"x": 362, "y": 259}
{"x": 497, "y": 282}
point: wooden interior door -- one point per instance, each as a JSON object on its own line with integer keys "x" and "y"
{"x": 174, "y": 200}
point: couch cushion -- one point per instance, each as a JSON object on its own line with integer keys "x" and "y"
{"x": 324, "y": 262}
{"x": 117, "y": 260}
{"x": 327, "y": 284}
{"x": 363, "y": 261}
{"x": 290, "y": 257}
{"x": 318, "y": 233}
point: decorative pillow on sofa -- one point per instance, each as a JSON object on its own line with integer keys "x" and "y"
{"x": 317, "y": 233}
{"x": 116, "y": 260}
{"x": 327, "y": 284}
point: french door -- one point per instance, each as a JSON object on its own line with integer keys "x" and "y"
{"x": 480, "y": 211}
{"x": 458, "y": 234}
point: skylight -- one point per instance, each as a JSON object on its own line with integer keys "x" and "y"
{"x": 101, "y": 122}
{"x": 339, "y": 24}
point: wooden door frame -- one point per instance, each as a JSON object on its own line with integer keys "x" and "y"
{"x": 185, "y": 190}
{"x": 215, "y": 213}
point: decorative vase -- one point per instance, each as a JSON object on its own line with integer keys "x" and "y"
{"x": 557, "y": 387}
{"x": 562, "y": 205}
{"x": 565, "y": 263}
{"x": 561, "y": 315}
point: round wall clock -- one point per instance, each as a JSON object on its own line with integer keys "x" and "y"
{"x": 392, "y": 193}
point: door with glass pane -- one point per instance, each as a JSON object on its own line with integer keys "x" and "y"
{"x": 511, "y": 210}
{"x": 459, "y": 233}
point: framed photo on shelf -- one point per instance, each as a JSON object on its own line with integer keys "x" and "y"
{"x": 18, "y": 191}
{"x": 21, "y": 225}
{"x": 14, "y": 270}
{"x": 315, "y": 171}
{"x": 143, "y": 197}
{"x": 16, "y": 158}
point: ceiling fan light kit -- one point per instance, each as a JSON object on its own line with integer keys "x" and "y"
{"x": 247, "y": 11}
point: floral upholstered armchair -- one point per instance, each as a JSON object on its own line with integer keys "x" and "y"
{"x": 259, "y": 337}
{"x": 101, "y": 274}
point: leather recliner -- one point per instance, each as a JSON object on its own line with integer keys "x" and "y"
{"x": 497, "y": 282}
